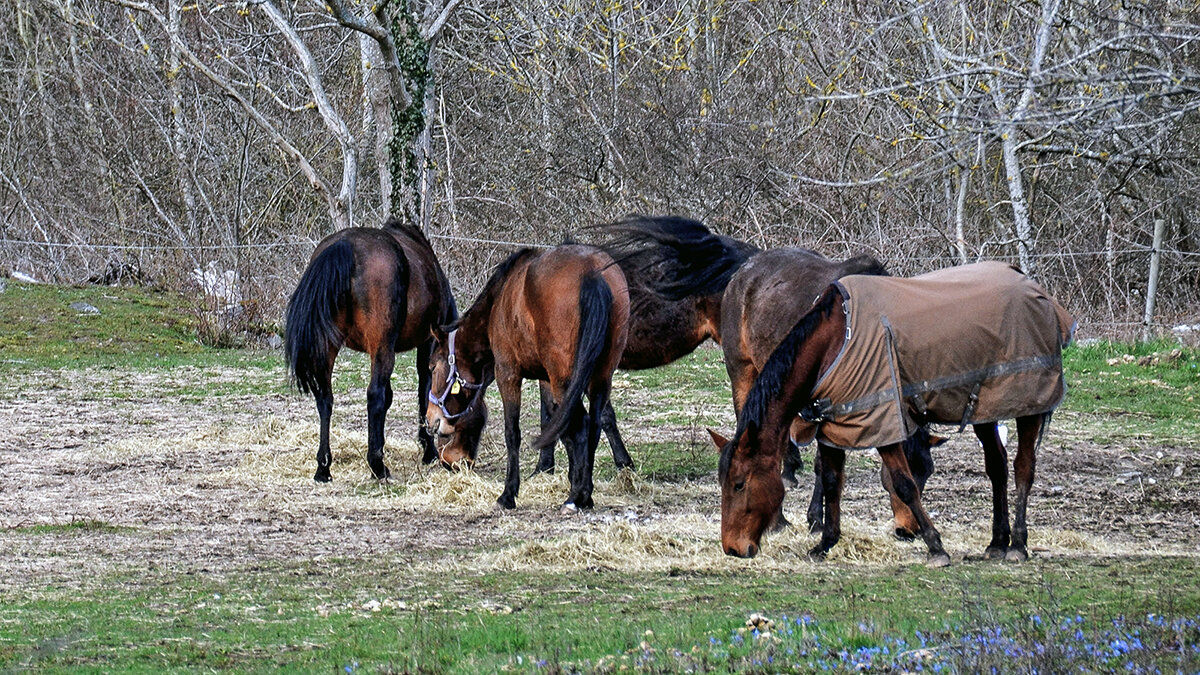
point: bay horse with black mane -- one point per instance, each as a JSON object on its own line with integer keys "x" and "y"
{"x": 379, "y": 291}
{"x": 865, "y": 368}
{"x": 559, "y": 316}
{"x": 752, "y": 298}
{"x": 655, "y": 253}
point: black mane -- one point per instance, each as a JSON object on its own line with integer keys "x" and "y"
{"x": 769, "y": 384}
{"x": 674, "y": 257}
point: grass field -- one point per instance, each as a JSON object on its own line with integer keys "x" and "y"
{"x": 157, "y": 514}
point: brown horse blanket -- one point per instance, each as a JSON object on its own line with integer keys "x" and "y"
{"x": 970, "y": 344}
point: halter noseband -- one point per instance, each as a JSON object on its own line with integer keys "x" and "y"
{"x": 451, "y": 378}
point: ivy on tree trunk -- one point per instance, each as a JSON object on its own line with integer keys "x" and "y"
{"x": 408, "y": 122}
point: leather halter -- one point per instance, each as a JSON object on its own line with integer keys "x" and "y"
{"x": 451, "y": 377}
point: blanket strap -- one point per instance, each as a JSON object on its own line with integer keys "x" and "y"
{"x": 972, "y": 401}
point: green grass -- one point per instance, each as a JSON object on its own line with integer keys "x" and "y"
{"x": 75, "y": 527}
{"x": 316, "y": 617}
{"x": 1157, "y": 400}
{"x": 41, "y": 330}
{"x": 309, "y": 616}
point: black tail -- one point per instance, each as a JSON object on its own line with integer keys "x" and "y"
{"x": 675, "y": 257}
{"x": 310, "y": 332}
{"x": 595, "y": 310}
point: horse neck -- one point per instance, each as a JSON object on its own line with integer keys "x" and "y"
{"x": 473, "y": 340}
{"x": 816, "y": 356}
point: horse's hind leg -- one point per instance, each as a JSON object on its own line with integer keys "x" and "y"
{"x": 324, "y": 397}
{"x": 546, "y": 457}
{"x": 1029, "y": 430}
{"x": 995, "y": 460}
{"x": 324, "y": 456}
{"x": 581, "y": 454}
{"x": 379, "y": 400}
{"x": 905, "y": 488}
{"x": 429, "y": 449}
{"x": 832, "y": 479}
{"x": 608, "y": 422}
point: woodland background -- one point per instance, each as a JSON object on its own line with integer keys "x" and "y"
{"x": 143, "y": 139}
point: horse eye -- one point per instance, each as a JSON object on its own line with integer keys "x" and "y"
{"x": 741, "y": 485}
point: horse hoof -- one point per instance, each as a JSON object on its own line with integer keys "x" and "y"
{"x": 1016, "y": 555}
{"x": 817, "y": 554}
{"x": 993, "y": 553}
{"x": 903, "y": 534}
{"x": 789, "y": 481}
{"x": 543, "y": 469}
{"x": 506, "y": 503}
{"x": 938, "y": 560}
{"x": 382, "y": 475}
{"x": 568, "y": 509}
{"x": 322, "y": 477}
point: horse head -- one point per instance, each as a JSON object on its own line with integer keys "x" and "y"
{"x": 457, "y": 411}
{"x": 751, "y": 493}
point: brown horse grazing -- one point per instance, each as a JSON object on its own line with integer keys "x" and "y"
{"x": 763, "y": 300}
{"x": 655, "y": 254}
{"x": 867, "y": 375}
{"x": 559, "y": 316}
{"x": 378, "y": 291}
{"x": 681, "y": 276}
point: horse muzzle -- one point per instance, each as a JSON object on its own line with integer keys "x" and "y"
{"x": 748, "y": 552}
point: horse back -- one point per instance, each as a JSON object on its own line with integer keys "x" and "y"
{"x": 535, "y": 324}
{"x": 970, "y": 344}
{"x": 764, "y": 300}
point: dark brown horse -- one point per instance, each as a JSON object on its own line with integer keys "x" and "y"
{"x": 655, "y": 254}
{"x": 559, "y": 316}
{"x": 681, "y": 276}
{"x": 868, "y": 385}
{"x": 378, "y": 291}
{"x": 763, "y": 298}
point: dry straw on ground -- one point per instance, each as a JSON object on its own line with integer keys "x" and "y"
{"x": 647, "y": 535}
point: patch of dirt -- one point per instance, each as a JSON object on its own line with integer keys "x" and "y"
{"x": 225, "y": 484}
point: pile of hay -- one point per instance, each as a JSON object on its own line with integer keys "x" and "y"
{"x": 616, "y": 546}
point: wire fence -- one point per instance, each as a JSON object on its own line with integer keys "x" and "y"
{"x": 301, "y": 243}
{"x": 1121, "y": 302}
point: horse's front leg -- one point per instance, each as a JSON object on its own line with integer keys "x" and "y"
{"x": 905, "y": 488}
{"x": 816, "y": 513}
{"x": 995, "y": 462}
{"x": 424, "y": 438}
{"x": 833, "y": 479}
{"x": 510, "y": 393}
{"x": 1029, "y": 430}
{"x": 379, "y": 400}
{"x": 608, "y": 422}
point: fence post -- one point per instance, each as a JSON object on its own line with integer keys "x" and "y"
{"x": 1152, "y": 283}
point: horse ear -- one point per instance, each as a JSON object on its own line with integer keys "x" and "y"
{"x": 718, "y": 440}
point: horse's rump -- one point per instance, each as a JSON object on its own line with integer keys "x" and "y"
{"x": 970, "y": 344}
